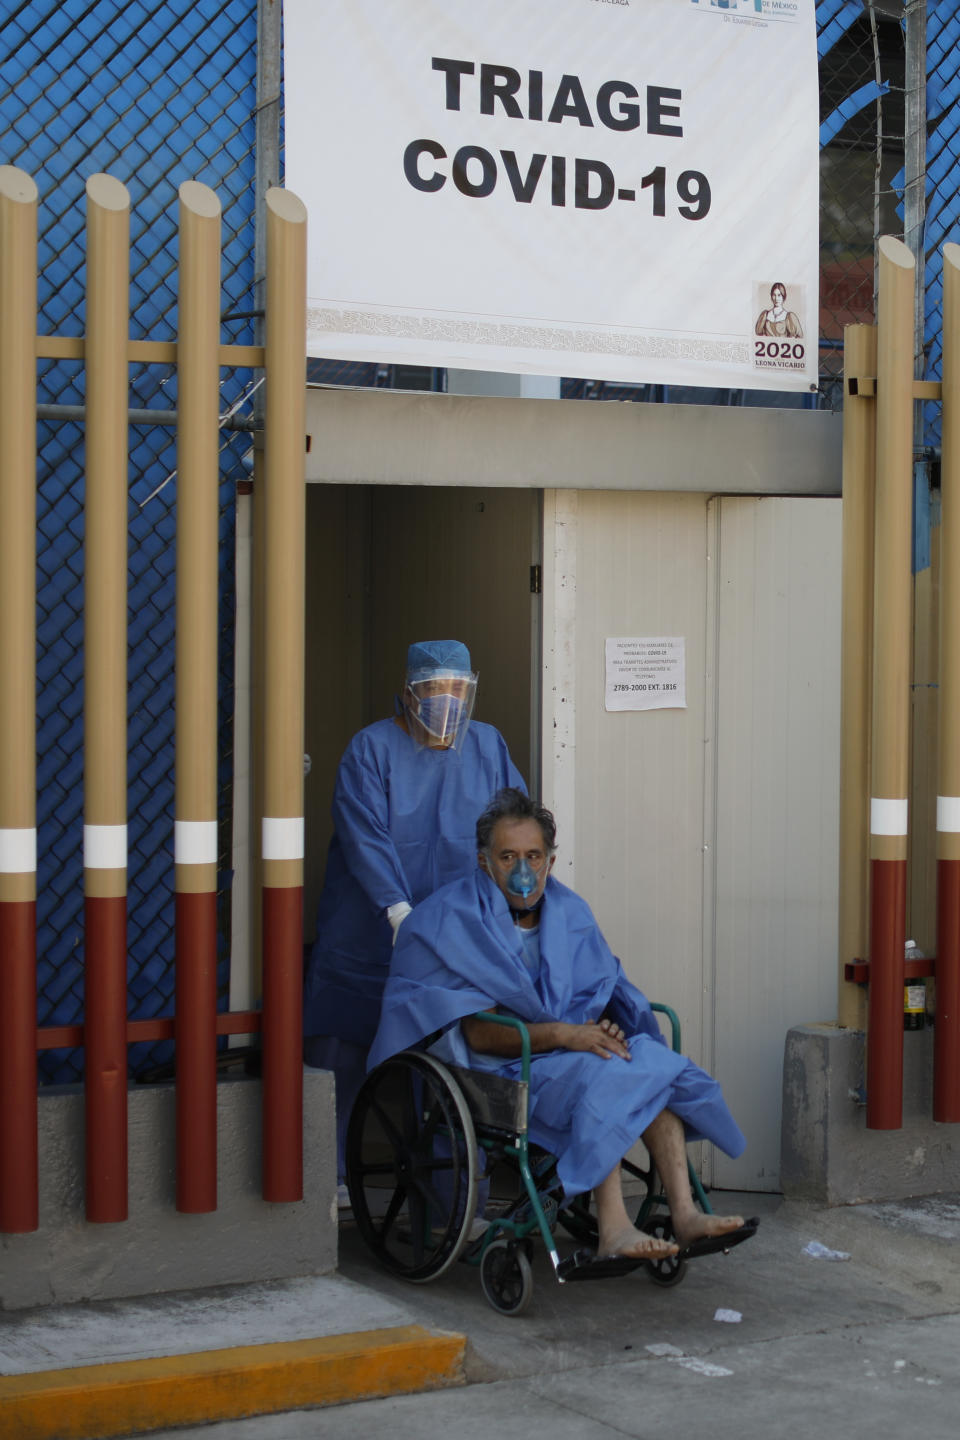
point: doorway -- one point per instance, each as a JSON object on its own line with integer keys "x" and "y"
{"x": 390, "y": 564}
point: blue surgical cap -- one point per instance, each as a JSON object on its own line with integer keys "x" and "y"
{"x": 438, "y": 655}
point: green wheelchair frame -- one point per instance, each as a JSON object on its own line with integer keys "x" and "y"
{"x": 416, "y": 1135}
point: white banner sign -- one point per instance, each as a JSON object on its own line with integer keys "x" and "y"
{"x": 612, "y": 189}
{"x": 645, "y": 674}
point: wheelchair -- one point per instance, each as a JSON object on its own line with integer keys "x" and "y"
{"x": 421, "y": 1136}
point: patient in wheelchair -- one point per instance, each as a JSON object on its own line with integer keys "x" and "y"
{"x": 510, "y": 938}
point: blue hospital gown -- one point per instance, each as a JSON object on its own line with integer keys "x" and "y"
{"x": 404, "y": 824}
{"x": 460, "y": 952}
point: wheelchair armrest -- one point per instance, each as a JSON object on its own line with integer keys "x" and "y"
{"x": 524, "y": 1033}
{"x": 518, "y": 1025}
{"x": 674, "y": 1019}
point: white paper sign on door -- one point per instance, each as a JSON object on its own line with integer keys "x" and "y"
{"x": 645, "y": 673}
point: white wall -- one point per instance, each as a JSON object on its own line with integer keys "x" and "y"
{"x": 777, "y": 804}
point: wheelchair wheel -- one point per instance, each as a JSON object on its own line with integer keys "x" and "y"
{"x": 671, "y": 1269}
{"x": 506, "y": 1277}
{"x": 412, "y": 1166}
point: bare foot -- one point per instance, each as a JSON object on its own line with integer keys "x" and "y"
{"x": 700, "y": 1226}
{"x": 634, "y": 1244}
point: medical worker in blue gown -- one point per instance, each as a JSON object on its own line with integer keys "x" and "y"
{"x": 407, "y": 795}
{"x": 510, "y": 937}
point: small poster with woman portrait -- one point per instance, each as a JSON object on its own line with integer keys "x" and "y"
{"x": 780, "y": 327}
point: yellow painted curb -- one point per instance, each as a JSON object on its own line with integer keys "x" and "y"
{"x": 93, "y": 1402}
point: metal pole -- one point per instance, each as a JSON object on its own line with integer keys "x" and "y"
{"x": 914, "y": 165}
{"x": 266, "y": 140}
{"x": 891, "y": 684}
{"x": 256, "y": 640}
{"x": 946, "y": 1053}
{"x": 195, "y": 829}
{"x": 246, "y": 919}
{"x": 859, "y": 459}
{"x": 284, "y": 565}
{"x": 105, "y": 698}
{"x": 78, "y": 413}
{"x": 19, "y": 1206}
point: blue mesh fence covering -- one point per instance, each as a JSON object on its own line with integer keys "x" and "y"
{"x": 861, "y": 51}
{"x": 942, "y": 189}
{"x": 158, "y": 91}
{"x": 153, "y": 92}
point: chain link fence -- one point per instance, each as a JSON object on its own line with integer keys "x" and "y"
{"x": 159, "y": 91}
{"x": 942, "y": 175}
{"x": 862, "y": 118}
{"x": 154, "y": 92}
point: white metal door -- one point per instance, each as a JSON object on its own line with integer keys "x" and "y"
{"x": 628, "y": 787}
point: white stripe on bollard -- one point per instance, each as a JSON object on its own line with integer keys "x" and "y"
{"x": 195, "y": 842}
{"x": 282, "y": 839}
{"x": 948, "y": 813}
{"x": 18, "y": 852}
{"x": 105, "y": 847}
{"x": 888, "y": 817}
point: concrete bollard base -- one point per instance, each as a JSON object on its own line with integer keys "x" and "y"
{"x": 828, "y": 1155}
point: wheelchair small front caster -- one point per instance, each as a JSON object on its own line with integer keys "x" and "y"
{"x": 506, "y": 1277}
{"x": 671, "y": 1269}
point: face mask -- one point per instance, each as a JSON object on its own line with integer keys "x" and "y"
{"x": 441, "y": 714}
{"x": 522, "y": 879}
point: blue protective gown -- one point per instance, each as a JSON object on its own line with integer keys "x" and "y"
{"x": 460, "y": 952}
{"x": 404, "y": 824}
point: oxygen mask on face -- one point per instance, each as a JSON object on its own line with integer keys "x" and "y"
{"x": 522, "y": 880}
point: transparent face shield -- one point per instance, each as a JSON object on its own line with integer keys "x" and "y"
{"x": 438, "y": 705}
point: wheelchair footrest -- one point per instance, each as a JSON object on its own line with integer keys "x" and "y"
{"x": 585, "y": 1264}
{"x": 721, "y": 1244}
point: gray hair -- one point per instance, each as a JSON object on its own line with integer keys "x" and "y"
{"x": 512, "y": 804}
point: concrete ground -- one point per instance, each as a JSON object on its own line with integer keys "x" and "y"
{"x": 769, "y": 1341}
